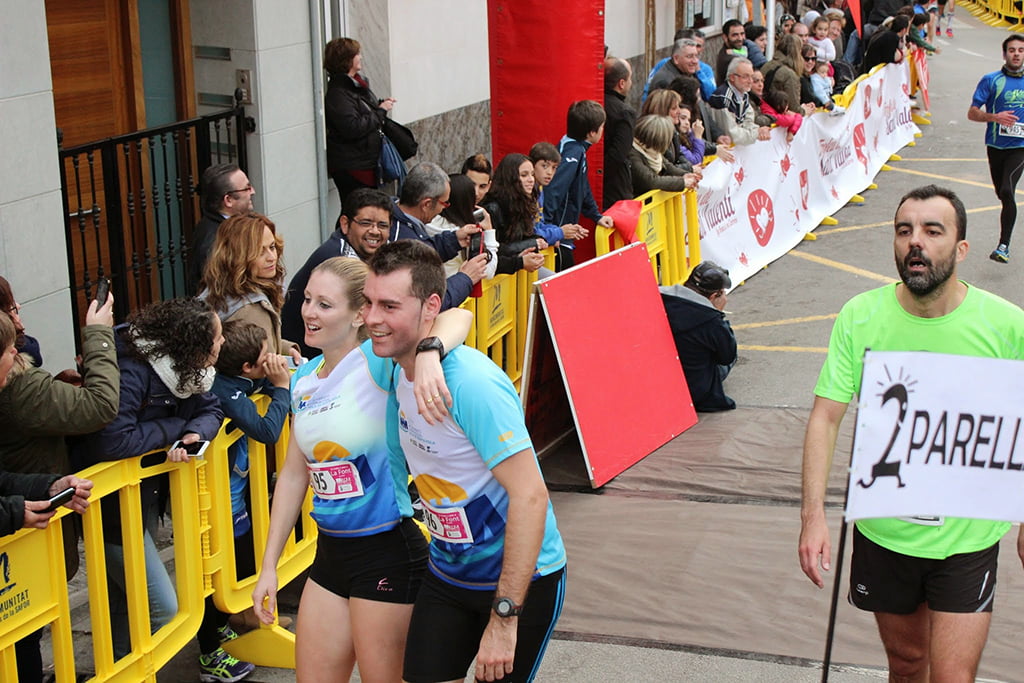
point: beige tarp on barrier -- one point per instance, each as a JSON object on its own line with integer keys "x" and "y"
{"x": 695, "y": 547}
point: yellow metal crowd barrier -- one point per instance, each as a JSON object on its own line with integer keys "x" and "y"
{"x": 668, "y": 224}
{"x": 1002, "y": 13}
{"x": 267, "y": 645}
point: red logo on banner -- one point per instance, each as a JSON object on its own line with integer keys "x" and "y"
{"x": 743, "y": 258}
{"x": 859, "y": 140}
{"x": 805, "y": 190}
{"x": 738, "y": 175}
{"x": 867, "y": 101}
{"x": 878, "y": 100}
{"x": 762, "y": 216}
{"x": 786, "y": 164}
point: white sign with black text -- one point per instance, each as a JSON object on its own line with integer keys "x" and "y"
{"x": 938, "y": 435}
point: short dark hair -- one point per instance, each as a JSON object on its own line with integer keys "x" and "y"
{"x": 1010, "y": 38}
{"x": 479, "y": 163}
{"x": 615, "y": 70}
{"x": 727, "y": 26}
{"x": 920, "y": 19}
{"x": 707, "y": 278}
{"x": 360, "y": 198}
{"x": 544, "y": 151}
{"x": 425, "y": 267}
{"x": 338, "y": 55}
{"x": 755, "y": 31}
{"x": 243, "y": 342}
{"x": 584, "y": 117}
{"x": 899, "y": 23}
{"x": 930, "y": 191}
{"x": 214, "y": 184}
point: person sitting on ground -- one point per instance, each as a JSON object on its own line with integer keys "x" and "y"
{"x": 478, "y": 169}
{"x": 757, "y": 44}
{"x": 513, "y": 207}
{"x": 691, "y": 144}
{"x": 244, "y": 278}
{"x": 166, "y": 353}
{"x": 730, "y": 105}
{"x": 776, "y": 105}
{"x": 459, "y": 212}
{"x": 820, "y": 40}
{"x": 704, "y": 340}
{"x": 651, "y": 137}
{"x": 246, "y": 366}
{"x": 545, "y": 158}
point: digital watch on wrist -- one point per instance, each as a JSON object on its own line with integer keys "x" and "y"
{"x": 505, "y": 608}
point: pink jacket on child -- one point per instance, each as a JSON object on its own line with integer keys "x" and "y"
{"x": 788, "y": 120}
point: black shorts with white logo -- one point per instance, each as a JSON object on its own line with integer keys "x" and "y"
{"x": 448, "y": 622}
{"x": 882, "y": 580}
{"x": 385, "y": 567}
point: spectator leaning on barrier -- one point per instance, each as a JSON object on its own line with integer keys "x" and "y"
{"x": 650, "y": 170}
{"x": 704, "y": 340}
{"x": 513, "y": 207}
{"x": 730, "y": 105}
{"x": 618, "y": 80}
{"x": 668, "y": 103}
{"x": 929, "y": 580}
{"x": 784, "y": 71}
{"x": 424, "y": 194}
{"x": 459, "y": 213}
{"x": 478, "y": 169}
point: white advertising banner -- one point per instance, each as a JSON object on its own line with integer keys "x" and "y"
{"x": 938, "y": 435}
{"x": 755, "y": 209}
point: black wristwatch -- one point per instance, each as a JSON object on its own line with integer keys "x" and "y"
{"x": 431, "y": 344}
{"x": 505, "y": 608}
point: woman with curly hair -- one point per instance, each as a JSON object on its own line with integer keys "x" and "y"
{"x": 244, "y": 277}
{"x": 513, "y": 207}
{"x": 166, "y": 353}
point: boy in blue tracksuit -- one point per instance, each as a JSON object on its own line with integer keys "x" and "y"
{"x": 569, "y": 195}
{"x": 245, "y": 367}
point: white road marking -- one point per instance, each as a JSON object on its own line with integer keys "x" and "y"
{"x": 968, "y": 52}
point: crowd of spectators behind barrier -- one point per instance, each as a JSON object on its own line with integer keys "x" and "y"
{"x": 149, "y": 382}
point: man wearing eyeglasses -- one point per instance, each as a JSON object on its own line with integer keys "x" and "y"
{"x": 730, "y": 105}
{"x": 226, "y": 192}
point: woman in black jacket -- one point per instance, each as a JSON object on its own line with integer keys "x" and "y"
{"x": 354, "y": 118}
{"x": 512, "y": 205}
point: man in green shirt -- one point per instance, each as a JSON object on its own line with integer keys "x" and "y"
{"x": 929, "y": 581}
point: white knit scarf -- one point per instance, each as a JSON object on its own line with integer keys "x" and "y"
{"x": 654, "y": 159}
{"x": 163, "y": 367}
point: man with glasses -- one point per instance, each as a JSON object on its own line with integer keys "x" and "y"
{"x": 225, "y": 191}
{"x": 704, "y": 340}
{"x": 730, "y": 106}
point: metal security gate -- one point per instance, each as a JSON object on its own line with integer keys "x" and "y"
{"x": 131, "y": 203}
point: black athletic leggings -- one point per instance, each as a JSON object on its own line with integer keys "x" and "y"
{"x": 1006, "y": 166}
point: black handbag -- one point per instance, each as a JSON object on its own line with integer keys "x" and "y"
{"x": 401, "y": 137}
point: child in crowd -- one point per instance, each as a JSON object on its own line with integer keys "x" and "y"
{"x": 819, "y": 39}
{"x": 776, "y": 105}
{"x": 545, "y": 158}
{"x": 246, "y": 366}
{"x": 821, "y": 83}
{"x": 569, "y": 194}
{"x": 691, "y": 134}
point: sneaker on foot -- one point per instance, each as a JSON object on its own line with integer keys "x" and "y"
{"x": 949, "y": 33}
{"x": 220, "y": 667}
{"x": 1001, "y": 254}
{"x": 226, "y": 633}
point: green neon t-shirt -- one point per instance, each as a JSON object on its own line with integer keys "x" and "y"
{"x": 983, "y": 325}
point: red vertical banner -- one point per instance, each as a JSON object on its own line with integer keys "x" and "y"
{"x": 544, "y": 55}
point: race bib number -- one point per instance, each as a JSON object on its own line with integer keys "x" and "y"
{"x": 925, "y": 520}
{"x": 335, "y": 480}
{"x": 447, "y": 524}
{"x": 1014, "y": 131}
